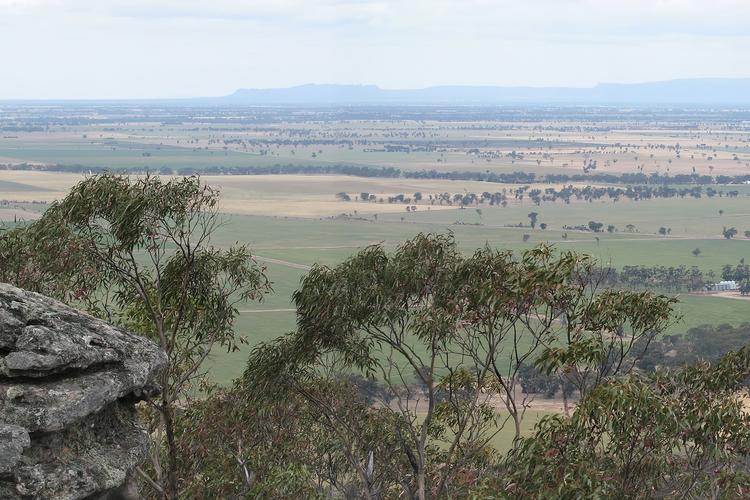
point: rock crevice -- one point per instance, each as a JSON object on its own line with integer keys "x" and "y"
{"x": 68, "y": 382}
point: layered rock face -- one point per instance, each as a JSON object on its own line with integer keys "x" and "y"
{"x": 68, "y": 385}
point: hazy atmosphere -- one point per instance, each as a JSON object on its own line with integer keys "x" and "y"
{"x": 374, "y": 249}
{"x": 82, "y": 49}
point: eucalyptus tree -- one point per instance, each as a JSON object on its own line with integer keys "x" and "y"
{"x": 235, "y": 444}
{"x": 448, "y": 335}
{"x": 47, "y": 262}
{"x": 681, "y": 433}
{"x": 601, "y": 334}
{"x": 548, "y": 308}
{"x": 390, "y": 316}
{"x": 140, "y": 255}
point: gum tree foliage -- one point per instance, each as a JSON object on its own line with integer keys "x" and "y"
{"x": 445, "y": 334}
{"x": 604, "y": 336}
{"x": 673, "y": 434}
{"x": 141, "y": 256}
{"x": 374, "y": 304}
{"x": 237, "y": 445}
{"x": 47, "y": 262}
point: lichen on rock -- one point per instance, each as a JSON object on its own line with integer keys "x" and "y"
{"x": 68, "y": 385}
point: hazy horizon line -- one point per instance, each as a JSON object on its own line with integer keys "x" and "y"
{"x": 378, "y": 87}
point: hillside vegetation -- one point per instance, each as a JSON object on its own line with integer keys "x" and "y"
{"x": 403, "y": 364}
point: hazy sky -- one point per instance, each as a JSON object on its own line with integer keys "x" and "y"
{"x": 176, "y": 48}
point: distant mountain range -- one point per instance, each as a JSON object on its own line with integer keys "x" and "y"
{"x": 696, "y": 91}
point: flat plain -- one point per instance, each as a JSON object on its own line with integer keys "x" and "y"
{"x": 298, "y": 208}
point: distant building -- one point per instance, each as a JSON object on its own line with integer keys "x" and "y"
{"x": 723, "y": 286}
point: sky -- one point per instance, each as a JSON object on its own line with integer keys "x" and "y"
{"x": 87, "y": 49}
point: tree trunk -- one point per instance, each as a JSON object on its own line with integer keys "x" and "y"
{"x": 421, "y": 493}
{"x": 517, "y": 424}
{"x": 170, "y": 488}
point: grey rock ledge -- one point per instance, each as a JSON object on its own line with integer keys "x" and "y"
{"x": 68, "y": 385}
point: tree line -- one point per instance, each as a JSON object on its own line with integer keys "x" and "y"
{"x": 666, "y": 278}
{"x": 518, "y": 177}
{"x": 539, "y": 195}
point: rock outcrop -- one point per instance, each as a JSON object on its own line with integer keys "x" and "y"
{"x": 68, "y": 385}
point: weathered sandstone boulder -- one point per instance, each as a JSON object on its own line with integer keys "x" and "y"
{"x": 68, "y": 385}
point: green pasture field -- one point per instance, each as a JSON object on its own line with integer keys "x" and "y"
{"x": 294, "y": 243}
{"x": 304, "y": 242}
{"x": 225, "y": 367}
{"x": 329, "y": 240}
{"x": 143, "y": 155}
{"x": 154, "y": 145}
{"x": 609, "y": 251}
{"x": 20, "y": 187}
{"x": 116, "y": 154}
{"x": 503, "y": 440}
{"x": 698, "y": 310}
{"x": 686, "y": 217}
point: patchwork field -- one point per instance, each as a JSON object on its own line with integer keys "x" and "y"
{"x": 288, "y": 246}
{"x": 295, "y": 218}
{"x": 498, "y": 139}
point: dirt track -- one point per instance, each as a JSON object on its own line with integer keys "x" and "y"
{"x": 283, "y": 263}
{"x": 730, "y": 295}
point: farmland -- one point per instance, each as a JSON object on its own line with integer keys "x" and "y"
{"x": 307, "y": 211}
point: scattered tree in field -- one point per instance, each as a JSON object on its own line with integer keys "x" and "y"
{"x": 611, "y": 228}
{"x": 343, "y": 196}
{"x": 663, "y": 231}
{"x": 630, "y": 228}
{"x": 747, "y": 234}
{"x": 533, "y": 218}
{"x": 543, "y": 226}
{"x": 729, "y": 233}
{"x": 696, "y": 252}
{"x": 526, "y": 237}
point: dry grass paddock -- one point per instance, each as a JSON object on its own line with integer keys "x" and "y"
{"x": 285, "y": 195}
